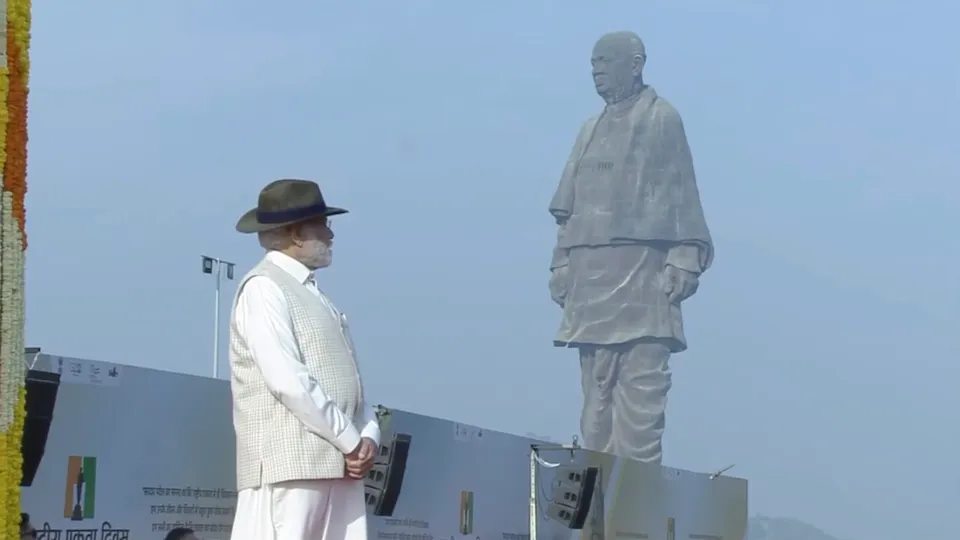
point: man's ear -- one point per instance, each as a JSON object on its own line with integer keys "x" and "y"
{"x": 638, "y": 62}
{"x": 294, "y": 232}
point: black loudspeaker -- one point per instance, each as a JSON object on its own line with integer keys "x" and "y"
{"x": 572, "y": 495}
{"x": 42, "y": 389}
{"x": 383, "y": 482}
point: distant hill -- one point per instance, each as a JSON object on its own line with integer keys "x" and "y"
{"x": 767, "y": 528}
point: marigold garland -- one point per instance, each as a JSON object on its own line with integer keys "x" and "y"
{"x": 15, "y": 165}
{"x": 11, "y": 471}
{"x": 14, "y": 72}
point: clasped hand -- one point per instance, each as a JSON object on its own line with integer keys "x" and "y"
{"x": 360, "y": 461}
{"x": 679, "y": 284}
{"x": 558, "y": 285}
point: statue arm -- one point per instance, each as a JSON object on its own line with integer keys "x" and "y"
{"x": 559, "y": 273}
{"x": 560, "y": 254}
{"x": 685, "y": 257}
{"x": 561, "y": 207}
{"x": 694, "y": 256}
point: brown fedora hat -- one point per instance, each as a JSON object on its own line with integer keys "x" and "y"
{"x": 285, "y": 202}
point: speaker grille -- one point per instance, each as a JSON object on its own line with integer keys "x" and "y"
{"x": 42, "y": 389}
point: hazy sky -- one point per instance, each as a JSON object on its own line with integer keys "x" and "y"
{"x": 823, "y": 347}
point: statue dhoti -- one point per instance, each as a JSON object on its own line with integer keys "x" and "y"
{"x": 632, "y": 242}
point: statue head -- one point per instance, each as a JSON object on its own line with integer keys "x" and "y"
{"x": 618, "y": 59}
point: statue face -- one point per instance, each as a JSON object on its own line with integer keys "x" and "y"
{"x": 615, "y": 68}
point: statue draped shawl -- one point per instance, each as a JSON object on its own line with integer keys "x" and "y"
{"x": 657, "y": 199}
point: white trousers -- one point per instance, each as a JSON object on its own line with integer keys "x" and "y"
{"x": 302, "y": 510}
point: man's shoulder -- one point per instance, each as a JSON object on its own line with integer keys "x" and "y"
{"x": 257, "y": 273}
{"x": 258, "y": 290}
{"x": 260, "y": 280}
{"x": 266, "y": 269}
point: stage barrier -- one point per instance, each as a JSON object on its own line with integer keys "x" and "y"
{"x": 132, "y": 453}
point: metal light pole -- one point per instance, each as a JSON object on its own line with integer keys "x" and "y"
{"x": 216, "y": 267}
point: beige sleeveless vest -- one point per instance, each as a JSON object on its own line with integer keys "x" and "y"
{"x": 272, "y": 445}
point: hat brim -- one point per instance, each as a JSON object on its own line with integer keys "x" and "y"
{"x": 248, "y": 223}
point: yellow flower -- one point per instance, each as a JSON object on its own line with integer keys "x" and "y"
{"x": 13, "y": 155}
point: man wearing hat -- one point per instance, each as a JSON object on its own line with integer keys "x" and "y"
{"x": 305, "y": 435}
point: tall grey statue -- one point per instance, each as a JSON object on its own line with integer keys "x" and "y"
{"x": 632, "y": 243}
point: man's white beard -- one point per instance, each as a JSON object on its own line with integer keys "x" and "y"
{"x": 320, "y": 255}
{"x": 325, "y": 256}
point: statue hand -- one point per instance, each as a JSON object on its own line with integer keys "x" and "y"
{"x": 558, "y": 284}
{"x": 679, "y": 284}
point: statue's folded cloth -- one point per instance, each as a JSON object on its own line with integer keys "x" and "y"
{"x": 627, "y": 204}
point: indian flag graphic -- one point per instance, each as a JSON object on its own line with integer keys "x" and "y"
{"x": 79, "y": 499}
{"x": 466, "y": 512}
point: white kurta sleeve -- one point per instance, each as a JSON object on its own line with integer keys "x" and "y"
{"x": 263, "y": 319}
{"x": 371, "y": 426}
